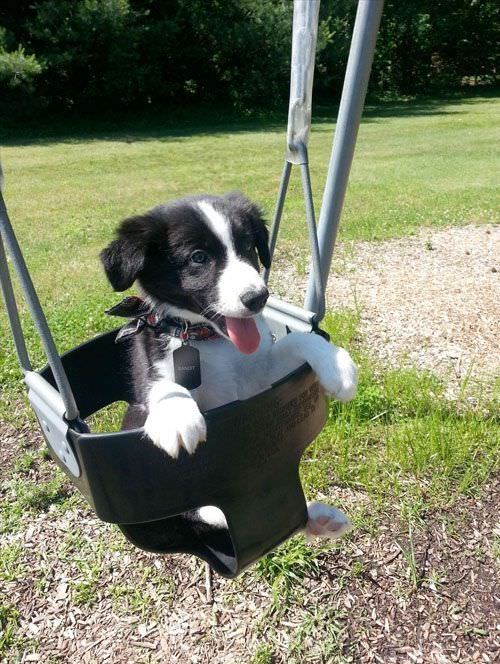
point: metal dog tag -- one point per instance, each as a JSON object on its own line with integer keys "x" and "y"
{"x": 187, "y": 367}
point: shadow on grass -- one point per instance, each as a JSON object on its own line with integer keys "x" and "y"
{"x": 181, "y": 123}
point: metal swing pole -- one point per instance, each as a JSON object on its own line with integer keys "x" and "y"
{"x": 34, "y": 381}
{"x": 321, "y": 238}
{"x": 12, "y": 312}
{"x": 364, "y": 37}
{"x": 305, "y": 34}
{"x": 304, "y": 38}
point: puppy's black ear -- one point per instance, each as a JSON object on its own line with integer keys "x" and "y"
{"x": 253, "y": 214}
{"x": 124, "y": 258}
{"x": 261, "y": 235}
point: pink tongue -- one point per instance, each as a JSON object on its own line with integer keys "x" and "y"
{"x": 243, "y": 333}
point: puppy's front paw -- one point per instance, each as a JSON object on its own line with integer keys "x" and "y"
{"x": 326, "y": 522}
{"x": 176, "y": 422}
{"x": 340, "y": 380}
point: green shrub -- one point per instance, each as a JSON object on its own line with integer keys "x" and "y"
{"x": 18, "y": 70}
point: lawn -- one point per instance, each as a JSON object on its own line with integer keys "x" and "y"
{"x": 408, "y": 465}
{"x": 416, "y": 164}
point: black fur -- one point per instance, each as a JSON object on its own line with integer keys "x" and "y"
{"x": 155, "y": 249}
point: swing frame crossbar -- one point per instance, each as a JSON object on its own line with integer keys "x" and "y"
{"x": 68, "y": 390}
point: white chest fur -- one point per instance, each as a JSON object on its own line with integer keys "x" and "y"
{"x": 226, "y": 373}
{"x": 175, "y": 419}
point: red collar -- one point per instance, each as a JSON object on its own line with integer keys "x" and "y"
{"x": 143, "y": 315}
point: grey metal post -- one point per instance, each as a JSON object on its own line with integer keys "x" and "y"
{"x": 12, "y": 312}
{"x": 304, "y": 38}
{"x": 273, "y": 238}
{"x": 37, "y": 314}
{"x": 357, "y": 74}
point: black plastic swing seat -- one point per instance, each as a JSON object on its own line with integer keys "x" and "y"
{"x": 248, "y": 467}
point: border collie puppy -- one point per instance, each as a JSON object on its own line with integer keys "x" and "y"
{"x": 196, "y": 263}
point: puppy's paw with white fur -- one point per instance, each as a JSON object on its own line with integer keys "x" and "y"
{"x": 176, "y": 422}
{"x": 326, "y": 522}
{"x": 339, "y": 377}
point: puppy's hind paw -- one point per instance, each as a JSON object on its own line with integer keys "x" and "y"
{"x": 176, "y": 422}
{"x": 326, "y": 522}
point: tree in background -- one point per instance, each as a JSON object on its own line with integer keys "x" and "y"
{"x": 17, "y": 70}
{"x": 116, "y": 53}
{"x": 429, "y": 44}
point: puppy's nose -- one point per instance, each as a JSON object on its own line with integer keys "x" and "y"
{"x": 255, "y": 299}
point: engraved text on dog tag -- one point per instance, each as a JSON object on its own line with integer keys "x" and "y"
{"x": 187, "y": 367}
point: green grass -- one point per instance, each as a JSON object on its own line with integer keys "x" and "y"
{"x": 319, "y": 636}
{"x": 263, "y": 655}
{"x": 11, "y": 564}
{"x": 429, "y": 164}
{"x": 287, "y": 567}
{"x": 9, "y": 622}
{"x": 401, "y": 441}
{"x": 23, "y": 498}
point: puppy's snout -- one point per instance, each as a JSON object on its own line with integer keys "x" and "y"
{"x": 254, "y": 300}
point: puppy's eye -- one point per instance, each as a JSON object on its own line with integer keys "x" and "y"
{"x": 199, "y": 256}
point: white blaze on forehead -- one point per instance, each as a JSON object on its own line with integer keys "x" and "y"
{"x": 238, "y": 276}
{"x": 218, "y": 224}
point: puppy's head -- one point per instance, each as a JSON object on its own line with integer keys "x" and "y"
{"x": 199, "y": 258}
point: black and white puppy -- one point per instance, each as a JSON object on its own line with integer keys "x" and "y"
{"x": 197, "y": 260}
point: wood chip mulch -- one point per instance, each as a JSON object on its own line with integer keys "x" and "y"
{"x": 430, "y": 301}
{"x": 387, "y": 595}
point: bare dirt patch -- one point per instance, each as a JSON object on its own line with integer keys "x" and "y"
{"x": 431, "y": 301}
{"x": 435, "y": 598}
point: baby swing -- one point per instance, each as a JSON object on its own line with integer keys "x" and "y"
{"x": 248, "y": 466}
